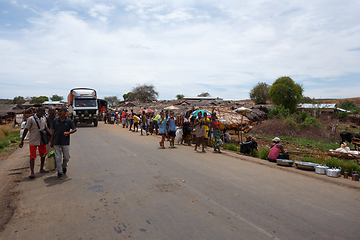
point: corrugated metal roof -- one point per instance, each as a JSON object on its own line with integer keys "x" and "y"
{"x": 321, "y": 106}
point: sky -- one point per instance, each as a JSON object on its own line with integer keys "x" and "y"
{"x": 181, "y": 47}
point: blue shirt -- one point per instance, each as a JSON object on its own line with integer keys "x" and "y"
{"x": 171, "y": 123}
{"x": 162, "y": 126}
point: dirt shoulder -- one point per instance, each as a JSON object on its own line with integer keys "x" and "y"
{"x": 13, "y": 168}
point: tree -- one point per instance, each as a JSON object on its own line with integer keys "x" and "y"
{"x": 260, "y": 93}
{"x": 286, "y": 92}
{"x": 112, "y": 100}
{"x": 180, "y": 96}
{"x": 126, "y": 96}
{"x": 307, "y": 100}
{"x": 204, "y": 94}
{"x": 19, "y": 100}
{"x": 56, "y": 97}
{"x": 350, "y": 105}
{"x": 144, "y": 93}
{"x": 39, "y": 100}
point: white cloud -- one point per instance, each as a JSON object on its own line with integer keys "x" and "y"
{"x": 183, "y": 47}
{"x": 100, "y": 9}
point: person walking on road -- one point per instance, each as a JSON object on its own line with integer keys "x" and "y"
{"x": 200, "y": 132}
{"x": 60, "y": 140}
{"x": 130, "y": 119}
{"x": 162, "y": 122}
{"x": 34, "y": 124}
{"x": 171, "y": 126}
{"x": 217, "y": 133}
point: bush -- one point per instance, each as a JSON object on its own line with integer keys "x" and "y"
{"x": 264, "y": 153}
{"x": 2, "y": 145}
{"x": 255, "y": 153}
{"x": 348, "y": 165}
{"x": 231, "y": 147}
{"x": 341, "y": 115}
{"x": 310, "y": 122}
{"x": 280, "y": 111}
{"x": 303, "y": 115}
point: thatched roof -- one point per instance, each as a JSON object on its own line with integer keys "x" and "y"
{"x": 5, "y": 109}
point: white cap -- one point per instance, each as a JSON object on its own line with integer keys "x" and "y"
{"x": 276, "y": 139}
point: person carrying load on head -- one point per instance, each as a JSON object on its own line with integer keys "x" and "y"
{"x": 276, "y": 149}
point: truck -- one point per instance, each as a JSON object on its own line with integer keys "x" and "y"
{"x": 83, "y": 106}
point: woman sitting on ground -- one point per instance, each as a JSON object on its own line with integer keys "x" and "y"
{"x": 275, "y": 151}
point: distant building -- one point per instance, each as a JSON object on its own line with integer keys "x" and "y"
{"x": 202, "y": 98}
{"x": 54, "y": 104}
{"x": 320, "y": 108}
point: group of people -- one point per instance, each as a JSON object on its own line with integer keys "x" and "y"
{"x": 197, "y": 129}
{"x": 49, "y": 132}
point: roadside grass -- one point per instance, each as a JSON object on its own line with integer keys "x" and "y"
{"x": 9, "y": 140}
{"x": 305, "y": 142}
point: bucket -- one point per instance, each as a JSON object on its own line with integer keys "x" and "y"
{"x": 355, "y": 176}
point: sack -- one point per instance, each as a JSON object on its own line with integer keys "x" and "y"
{"x": 50, "y": 163}
{"x": 179, "y": 135}
{"x": 43, "y": 134}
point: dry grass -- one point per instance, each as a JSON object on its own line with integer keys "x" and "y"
{"x": 275, "y": 127}
{"x": 5, "y": 130}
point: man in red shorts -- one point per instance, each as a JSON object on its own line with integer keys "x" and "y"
{"x": 35, "y": 141}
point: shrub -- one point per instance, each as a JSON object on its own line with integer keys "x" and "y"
{"x": 13, "y": 140}
{"x": 231, "y": 147}
{"x": 303, "y": 115}
{"x": 280, "y": 111}
{"x": 341, "y": 115}
{"x": 255, "y": 153}
{"x": 2, "y": 145}
{"x": 346, "y": 165}
{"x": 264, "y": 153}
{"x": 310, "y": 122}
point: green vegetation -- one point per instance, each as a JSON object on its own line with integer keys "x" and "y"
{"x": 260, "y": 93}
{"x": 255, "y": 153}
{"x": 56, "y": 97}
{"x": 144, "y": 93}
{"x": 305, "y": 142}
{"x": 231, "y": 147}
{"x": 8, "y": 137}
{"x": 39, "y": 100}
{"x": 112, "y": 100}
{"x": 284, "y": 91}
{"x": 179, "y": 96}
{"x": 204, "y": 94}
{"x": 126, "y": 96}
{"x": 19, "y": 100}
{"x": 264, "y": 153}
{"x": 351, "y": 106}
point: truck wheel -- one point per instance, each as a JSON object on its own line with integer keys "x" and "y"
{"x": 95, "y": 122}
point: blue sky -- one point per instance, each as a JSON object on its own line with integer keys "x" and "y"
{"x": 182, "y": 47}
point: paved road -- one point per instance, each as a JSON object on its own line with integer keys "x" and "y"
{"x": 122, "y": 185}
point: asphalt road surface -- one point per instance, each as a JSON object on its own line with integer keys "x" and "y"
{"x": 122, "y": 185}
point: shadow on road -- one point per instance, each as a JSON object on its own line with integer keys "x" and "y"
{"x": 52, "y": 180}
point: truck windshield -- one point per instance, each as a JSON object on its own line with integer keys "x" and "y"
{"x": 85, "y": 103}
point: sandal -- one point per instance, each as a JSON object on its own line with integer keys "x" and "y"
{"x": 44, "y": 171}
{"x": 32, "y": 176}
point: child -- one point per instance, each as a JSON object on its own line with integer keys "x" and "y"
{"x": 171, "y": 127}
{"x": 162, "y": 128}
